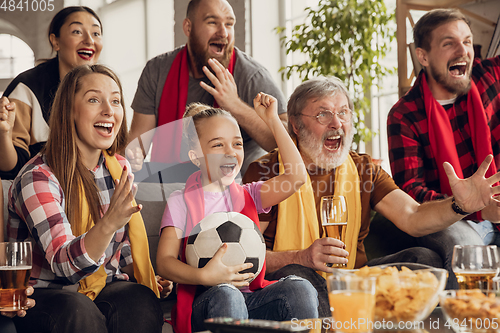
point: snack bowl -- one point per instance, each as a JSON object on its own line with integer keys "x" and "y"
{"x": 406, "y": 293}
{"x": 471, "y": 310}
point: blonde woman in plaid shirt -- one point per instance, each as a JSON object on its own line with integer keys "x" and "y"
{"x": 69, "y": 183}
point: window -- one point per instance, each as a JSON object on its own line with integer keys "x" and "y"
{"x": 294, "y": 15}
{"x": 15, "y": 56}
{"x": 383, "y": 96}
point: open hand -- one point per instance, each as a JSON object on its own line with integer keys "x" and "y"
{"x": 224, "y": 90}
{"x": 120, "y": 207}
{"x": 7, "y": 115}
{"x": 476, "y": 192}
{"x": 215, "y": 272}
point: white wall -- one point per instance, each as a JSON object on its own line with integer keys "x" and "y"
{"x": 160, "y": 26}
{"x": 135, "y": 31}
{"x": 124, "y": 43}
{"x": 265, "y": 43}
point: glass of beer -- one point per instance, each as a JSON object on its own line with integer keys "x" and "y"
{"x": 15, "y": 269}
{"x": 334, "y": 218}
{"x": 352, "y": 301}
{"x": 475, "y": 266}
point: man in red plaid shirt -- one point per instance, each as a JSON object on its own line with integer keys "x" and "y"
{"x": 450, "y": 114}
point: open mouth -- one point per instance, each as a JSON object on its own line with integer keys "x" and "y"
{"x": 228, "y": 169}
{"x": 105, "y": 128}
{"x": 458, "y": 69}
{"x": 217, "y": 48}
{"x": 333, "y": 142}
{"x": 85, "y": 54}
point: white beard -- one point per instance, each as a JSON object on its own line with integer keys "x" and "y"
{"x": 313, "y": 148}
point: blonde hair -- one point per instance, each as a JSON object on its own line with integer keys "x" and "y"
{"x": 199, "y": 112}
{"x": 195, "y": 108}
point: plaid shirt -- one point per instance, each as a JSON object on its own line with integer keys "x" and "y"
{"x": 36, "y": 212}
{"x": 413, "y": 164}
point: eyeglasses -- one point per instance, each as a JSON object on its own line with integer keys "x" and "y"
{"x": 326, "y": 117}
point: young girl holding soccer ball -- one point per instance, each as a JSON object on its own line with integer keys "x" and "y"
{"x": 217, "y": 149}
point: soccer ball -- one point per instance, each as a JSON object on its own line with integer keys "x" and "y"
{"x": 242, "y": 236}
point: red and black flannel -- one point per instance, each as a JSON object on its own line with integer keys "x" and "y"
{"x": 413, "y": 164}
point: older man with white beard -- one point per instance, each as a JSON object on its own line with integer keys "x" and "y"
{"x": 320, "y": 120}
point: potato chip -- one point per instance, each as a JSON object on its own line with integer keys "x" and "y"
{"x": 473, "y": 306}
{"x": 401, "y": 294}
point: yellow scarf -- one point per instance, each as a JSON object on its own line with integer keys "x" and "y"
{"x": 92, "y": 285}
{"x": 297, "y": 226}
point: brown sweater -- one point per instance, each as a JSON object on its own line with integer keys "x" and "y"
{"x": 375, "y": 184}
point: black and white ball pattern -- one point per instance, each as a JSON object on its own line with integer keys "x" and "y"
{"x": 242, "y": 236}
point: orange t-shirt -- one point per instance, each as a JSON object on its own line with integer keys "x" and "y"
{"x": 375, "y": 184}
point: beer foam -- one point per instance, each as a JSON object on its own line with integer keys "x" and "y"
{"x": 14, "y": 268}
{"x": 475, "y": 271}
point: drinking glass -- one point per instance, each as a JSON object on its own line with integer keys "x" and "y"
{"x": 15, "y": 269}
{"x": 352, "y": 301}
{"x": 475, "y": 266}
{"x": 334, "y": 218}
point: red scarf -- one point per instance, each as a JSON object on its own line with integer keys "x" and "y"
{"x": 172, "y": 107}
{"x": 194, "y": 198}
{"x": 440, "y": 132}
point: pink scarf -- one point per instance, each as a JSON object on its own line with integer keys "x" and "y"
{"x": 194, "y": 198}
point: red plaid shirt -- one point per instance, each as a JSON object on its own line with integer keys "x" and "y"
{"x": 413, "y": 164}
{"x": 36, "y": 212}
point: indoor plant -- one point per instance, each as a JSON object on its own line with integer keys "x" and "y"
{"x": 347, "y": 39}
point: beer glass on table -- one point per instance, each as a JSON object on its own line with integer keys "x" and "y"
{"x": 334, "y": 218}
{"x": 475, "y": 266}
{"x": 15, "y": 269}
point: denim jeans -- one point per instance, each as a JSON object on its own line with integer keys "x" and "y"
{"x": 290, "y": 297}
{"x": 459, "y": 233}
{"x": 119, "y": 308}
{"x": 7, "y": 325}
{"x": 419, "y": 255}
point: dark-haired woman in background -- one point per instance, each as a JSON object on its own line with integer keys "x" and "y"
{"x": 75, "y": 34}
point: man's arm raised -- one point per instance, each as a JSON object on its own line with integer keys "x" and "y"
{"x": 225, "y": 93}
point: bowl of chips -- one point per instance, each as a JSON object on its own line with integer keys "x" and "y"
{"x": 471, "y": 310}
{"x": 406, "y": 293}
